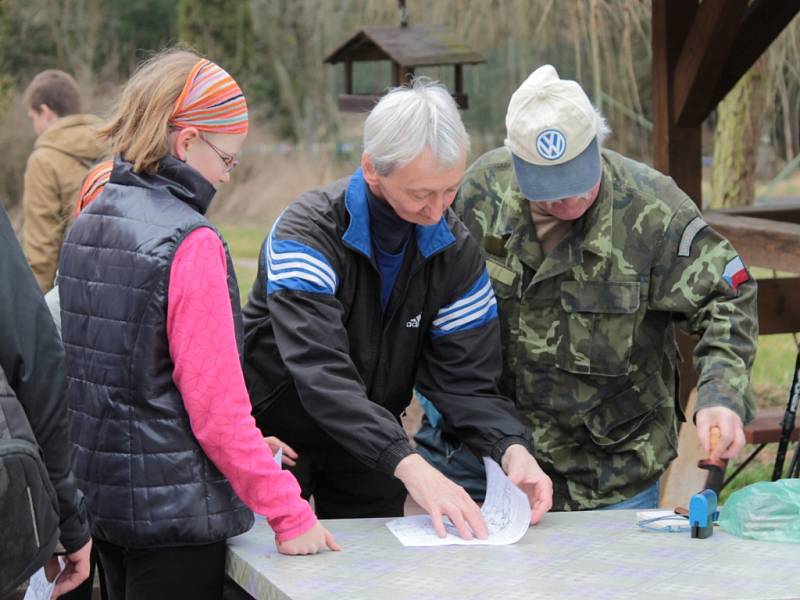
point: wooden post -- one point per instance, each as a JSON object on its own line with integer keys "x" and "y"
{"x": 348, "y": 77}
{"x": 677, "y": 150}
{"x": 459, "y": 79}
{"x": 395, "y": 74}
{"x": 406, "y": 73}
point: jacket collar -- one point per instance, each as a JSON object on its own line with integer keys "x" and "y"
{"x": 430, "y": 238}
{"x": 591, "y": 234}
{"x": 174, "y": 177}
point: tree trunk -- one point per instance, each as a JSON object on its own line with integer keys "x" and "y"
{"x": 736, "y": 138}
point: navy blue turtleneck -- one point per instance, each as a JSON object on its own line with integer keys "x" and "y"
{"x": 390, "y": 235}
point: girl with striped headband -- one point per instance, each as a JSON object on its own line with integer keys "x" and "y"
{"x": 165, "y": 448}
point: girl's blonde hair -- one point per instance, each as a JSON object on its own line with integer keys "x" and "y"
{"x": 139, "y": 127}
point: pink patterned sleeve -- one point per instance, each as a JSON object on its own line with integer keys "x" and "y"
{"x": 209, "y": 376}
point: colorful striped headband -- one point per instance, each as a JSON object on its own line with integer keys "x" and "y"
{"x": 94, "y": 182}
{"x": 210, "y": 101}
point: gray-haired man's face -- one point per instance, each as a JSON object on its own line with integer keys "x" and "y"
{"x": 420, "y": 191}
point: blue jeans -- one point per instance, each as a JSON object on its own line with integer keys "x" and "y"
{"x": 453, "y": 459}
{"x": 647, "y": 498}
{"x": 449, "y": 454}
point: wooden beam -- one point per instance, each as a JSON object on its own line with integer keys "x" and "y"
{"x": 406, "y": 74}
{"x": 778, "y": 305}
{"x": 366, "y": 102}
{"x": 676, "y": 150}
{"x": 762, "y": 23}
{"x": 761, "y": 242}
{"x": 787, "y": 211}
{"x": 357, "y": 102}
{"x": 702, "y": 58}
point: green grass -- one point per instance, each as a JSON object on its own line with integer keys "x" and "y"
{"x": 244, "y": 242}
{"x": 754, "y": 472}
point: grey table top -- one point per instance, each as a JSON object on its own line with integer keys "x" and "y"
{"x": 596, "y": 554}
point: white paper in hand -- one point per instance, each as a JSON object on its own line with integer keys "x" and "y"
{"x": 506, "y": 511}
{"x": 38, "y": 586}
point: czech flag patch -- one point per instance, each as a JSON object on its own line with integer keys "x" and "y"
{"x": 735, "y": 273}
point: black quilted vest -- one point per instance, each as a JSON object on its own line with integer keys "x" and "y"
{"x": 146, "y": 479}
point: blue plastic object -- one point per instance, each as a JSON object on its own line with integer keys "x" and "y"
{"x": 703, "y": 513}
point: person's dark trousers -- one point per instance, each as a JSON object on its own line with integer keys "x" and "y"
{"x": 345, "y": 488}
{"x": 195, "y": 572}
{"x": 85, "y": 590}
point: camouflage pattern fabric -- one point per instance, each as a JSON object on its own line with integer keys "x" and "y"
{"x": 587, "y": 332}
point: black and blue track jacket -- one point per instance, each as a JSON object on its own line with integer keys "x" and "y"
{"x": 329, "y": 365}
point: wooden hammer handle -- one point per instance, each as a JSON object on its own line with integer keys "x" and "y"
{"x": 714, "y": 440}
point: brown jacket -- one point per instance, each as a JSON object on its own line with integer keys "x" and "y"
{"x": 60, "y": 159}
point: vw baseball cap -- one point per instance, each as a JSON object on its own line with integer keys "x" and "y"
{"x": 551, "y": 130}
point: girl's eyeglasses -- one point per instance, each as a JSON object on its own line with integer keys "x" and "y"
{"x": 230, "y": 161}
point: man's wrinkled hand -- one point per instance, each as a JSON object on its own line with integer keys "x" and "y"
{"x": 523, "y": 470}
{"x": 440, "y": 497}
{"x": 731, "y": 431}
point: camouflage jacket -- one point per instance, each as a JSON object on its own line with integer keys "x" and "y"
{"x": 589, "y": 349}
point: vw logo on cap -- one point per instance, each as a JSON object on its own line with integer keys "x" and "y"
{"x": 551, "y": 144}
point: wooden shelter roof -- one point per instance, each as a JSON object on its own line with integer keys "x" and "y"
{"x": 423, "y": 45}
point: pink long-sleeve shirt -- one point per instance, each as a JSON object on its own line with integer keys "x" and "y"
{"x": 209, "y": 376}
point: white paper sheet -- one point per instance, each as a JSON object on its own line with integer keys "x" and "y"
{"x": 506, "y": 511}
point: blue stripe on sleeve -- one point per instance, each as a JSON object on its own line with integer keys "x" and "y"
{"x": 292, "y": 265}
{"x": 476, "y": 307}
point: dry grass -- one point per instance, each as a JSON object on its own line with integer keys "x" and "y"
{"x": 267, "y": 181}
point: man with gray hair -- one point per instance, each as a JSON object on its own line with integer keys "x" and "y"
{"x": 367, "y": 288}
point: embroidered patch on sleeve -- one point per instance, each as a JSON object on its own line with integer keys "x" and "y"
{"x": 690, "y": 232}
{"x": 735, "y": 273}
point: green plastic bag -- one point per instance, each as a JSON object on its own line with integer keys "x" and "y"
{"x": 767, "y": 511}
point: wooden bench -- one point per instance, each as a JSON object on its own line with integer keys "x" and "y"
{"x": 767, "y": 426}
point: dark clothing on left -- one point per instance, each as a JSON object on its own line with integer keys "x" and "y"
{"x": 32, "y": 357}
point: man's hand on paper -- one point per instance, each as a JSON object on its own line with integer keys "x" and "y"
{"x": 289, "y": 455}
{"x": 731, "y": 431}
{"x": 311, "y": 542}
{"x": 523, "y": 470}
{"x": 439, "y": 497}
{"x": 76, "y": 569}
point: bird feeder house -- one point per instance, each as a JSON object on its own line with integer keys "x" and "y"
{"x": 406, "y": 48}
